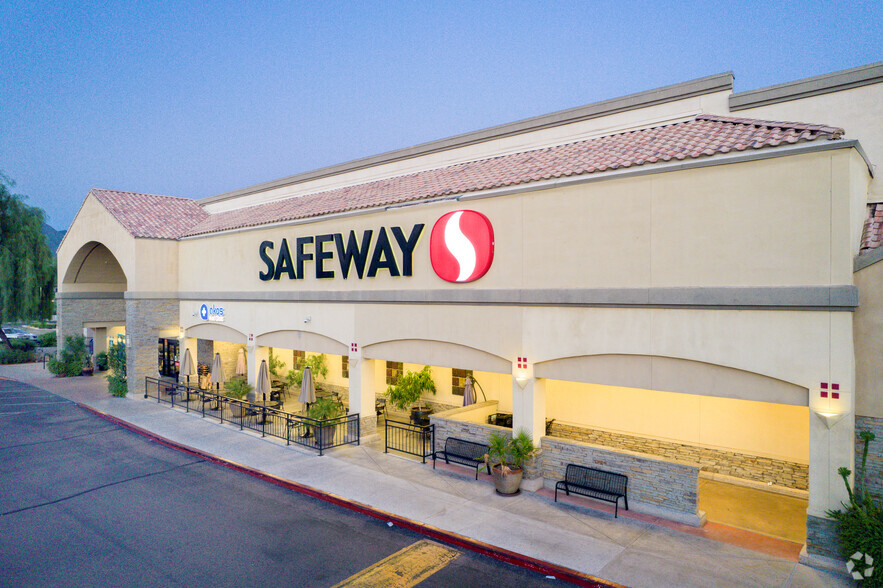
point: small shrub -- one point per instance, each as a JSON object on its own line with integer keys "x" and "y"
{"x": 71, "y": 359}
{"x": 23, "y": 344}
{"x": 101, "y": 361}
{"x": 42, "y": 325}
{"x": 860, "y": 523}
{"x": 117, "y": 385}
{"x": 15, "y": 355}
{"x": 237, "y": 388}
{"x": 47, "y": 339}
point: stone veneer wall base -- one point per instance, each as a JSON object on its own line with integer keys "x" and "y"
{"x": 823, "y": 563}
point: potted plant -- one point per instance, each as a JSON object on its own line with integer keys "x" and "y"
{"x": 506, "y": 456}
{"x": 408, "y": 390}
{"x": 237, "y": 388}
{"x": 101, "y": 361}
{"x": 324, "y": 409}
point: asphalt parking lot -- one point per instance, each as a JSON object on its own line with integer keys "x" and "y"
{"x": 87, "y": 502}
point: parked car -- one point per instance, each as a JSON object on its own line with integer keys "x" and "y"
{"x": 14, "y": 333}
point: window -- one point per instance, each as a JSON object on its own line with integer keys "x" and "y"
{"x": 297, "y": 360}
{"x": 394, "y": 371}
{"x": 168, "y": 357}
{"x": 458, "y": 381}
{"x": 345, "y": 366}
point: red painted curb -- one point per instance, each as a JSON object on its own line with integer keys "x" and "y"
{"x": 511, "y": 557}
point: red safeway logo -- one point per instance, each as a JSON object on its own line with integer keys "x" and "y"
{"x": 461, "y": 247}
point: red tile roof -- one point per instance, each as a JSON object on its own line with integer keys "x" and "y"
{"x": 165, "y": 217}
{"x": 704, "y": 136}
{"x": 151, "y": 216}
{"x": 872, "y": 234}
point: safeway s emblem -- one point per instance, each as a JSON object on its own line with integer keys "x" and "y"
{"x": 461, "y": 246}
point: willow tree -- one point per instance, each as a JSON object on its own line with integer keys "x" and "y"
{"x": 27, "y": 268}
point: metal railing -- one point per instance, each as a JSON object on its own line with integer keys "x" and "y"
{"x": 257, "y": 416}
{"x": 417, "y": 440}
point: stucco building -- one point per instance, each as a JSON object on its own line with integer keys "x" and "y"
{"x": 672, "y": 273}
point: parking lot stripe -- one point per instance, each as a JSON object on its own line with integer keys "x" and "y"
{"x": 404, "y": 568}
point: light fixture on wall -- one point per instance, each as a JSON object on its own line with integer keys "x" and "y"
{"x": 308, "y": 319}
{"x": 522, "y": 380}
{"x": 828, "y": 417}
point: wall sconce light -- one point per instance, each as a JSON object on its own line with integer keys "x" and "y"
{"x": 181, "y": 333}
{"x": 830, "y": 418}
{"x": 522, "y": 381}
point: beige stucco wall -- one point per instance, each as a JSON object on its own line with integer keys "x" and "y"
{"x": 785, "y": 221}
{"x": 757, "y": 428}
{"x": 857, "y": 110}
{"x": 868, "y": 324}
{"x": 149, "y": 265}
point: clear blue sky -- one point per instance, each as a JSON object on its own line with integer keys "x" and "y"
{"x": 185, "y": 100}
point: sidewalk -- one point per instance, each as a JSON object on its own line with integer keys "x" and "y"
{"x": 633, "y": 550}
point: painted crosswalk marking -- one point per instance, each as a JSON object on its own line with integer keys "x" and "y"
{"x": 404, "y": 568}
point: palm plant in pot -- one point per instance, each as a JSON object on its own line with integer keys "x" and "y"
{"x": 408, "y": 390}
{"x": 506, "y": 456}
{"x": 323, "y": 410}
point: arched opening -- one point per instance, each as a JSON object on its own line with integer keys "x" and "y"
{"x": 94, "y": 268}
{"x": 748, "y": 433}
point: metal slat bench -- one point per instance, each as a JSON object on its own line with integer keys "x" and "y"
{"x": 463, "y": 452}
{"x": 594, "y": 483}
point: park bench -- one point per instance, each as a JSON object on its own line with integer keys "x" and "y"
{"x": 595, "y": 483}
{"x": 463, "y": 452}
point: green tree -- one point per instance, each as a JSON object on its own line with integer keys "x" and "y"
{"x": 27, "y": 268}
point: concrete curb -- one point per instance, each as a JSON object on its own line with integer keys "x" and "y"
{"x": 455, "y": 539}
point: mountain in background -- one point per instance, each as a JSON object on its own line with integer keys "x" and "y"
{"x": 53, "y": 237}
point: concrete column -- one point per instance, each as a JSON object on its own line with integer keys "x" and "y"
{"x": 100, "y": 340}
{"x": 362, "y": 373}
{"x": 831, "y": 438}
{"x": 529, "y": 406}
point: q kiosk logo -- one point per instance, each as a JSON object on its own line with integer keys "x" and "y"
{"x": 461, "y": 247}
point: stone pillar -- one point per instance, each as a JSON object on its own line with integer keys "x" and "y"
{"x": 145, "y": 317}
{"x": 831, "y": 443}
{"x": 100, "y": 340}
{"x": 362, "y": 373}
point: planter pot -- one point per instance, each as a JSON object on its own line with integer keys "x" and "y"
{"x": 507, "y": 483}
{"x": 324, "y": 435}
{"x": 86, "y": 372}
{"x": 420, "y": 415}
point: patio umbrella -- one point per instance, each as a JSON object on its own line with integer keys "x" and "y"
{"x": 262, "y": 386}
{"x": 187, "y": 366}
{"x": 217, "y": 371}
{"x": 240, "y": 363}
{"x": 307, "y": 389}
{"x": 468, "y": 393}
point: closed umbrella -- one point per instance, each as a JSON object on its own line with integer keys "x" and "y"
{"x": 187, "y": 366}
{"x": 468, "y": 393}
{"x": 262, "y": 386}
{"x": 240, "y": 363}
{"x": 217, "y": 371}
{"x": 307, "y": 389}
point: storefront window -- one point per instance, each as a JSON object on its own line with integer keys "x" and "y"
{"x": 168, "y": 357}
{"x": 458, "y": 381}
{"x": 344, "y": 366}
{"x": 394, "y": 371}
{"x": 298, "y": 359}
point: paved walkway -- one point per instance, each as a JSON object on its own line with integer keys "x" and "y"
{"x": 634, "y": 550}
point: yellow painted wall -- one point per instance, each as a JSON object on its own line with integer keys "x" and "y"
{"x": 757, "y": 428}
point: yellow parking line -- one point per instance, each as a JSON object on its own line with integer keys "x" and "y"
{"x": 406, "y": 567}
